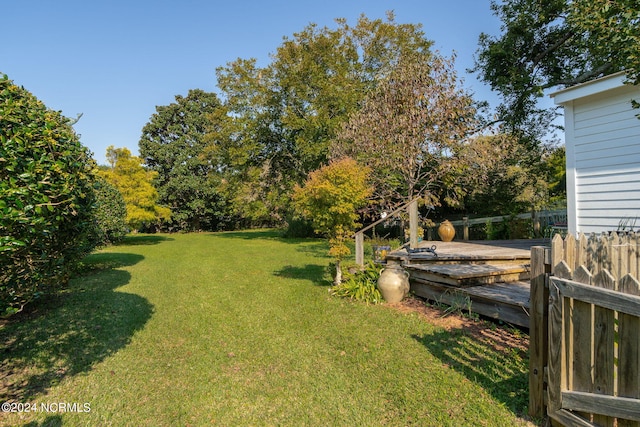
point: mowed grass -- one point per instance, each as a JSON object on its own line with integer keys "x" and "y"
{"x": 238, "y": 329}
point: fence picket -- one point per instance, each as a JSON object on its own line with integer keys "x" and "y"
{"x": 557, "y": 251}
{"x": 582, "y": 275}
{"x": 570, "y": 251}
{"x": 629, "y": 349}
{"x": 563, "y": 270}
{"x": 581, "y": 250}
{"x": 580, "y": 349}
{"x": 594, "y": 347}
{"x": 615, "y": 247}
{"x": 624, "y": 249}
{"x": 557, "y": 362}
{"x": 634, "y": 256}
{"x": 603, "y": 342}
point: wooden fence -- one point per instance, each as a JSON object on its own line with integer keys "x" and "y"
{"x": 585, "y": 331}
{"x": 541, "y": 221}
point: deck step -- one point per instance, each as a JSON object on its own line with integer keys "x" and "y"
{"x": 460, "y": 259}
{"x": 508, "y": 302}
{"x": 468, "y": 274}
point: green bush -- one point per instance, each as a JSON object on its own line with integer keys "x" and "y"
{"x": 509, "y": 228}
{"x": 361, "y": 285}
{"x": 110, "y": 213}
{"x": 46, "y": 198}
{"x": 299, "y": 228}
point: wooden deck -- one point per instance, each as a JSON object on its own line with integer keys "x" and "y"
{"x": 481, "y": 250}
{"x": 489, "y": 277}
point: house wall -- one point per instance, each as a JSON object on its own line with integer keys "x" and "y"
{"x": 602, "y": 136}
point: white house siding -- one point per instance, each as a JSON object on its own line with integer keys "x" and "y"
{"x": 603, "y": 155}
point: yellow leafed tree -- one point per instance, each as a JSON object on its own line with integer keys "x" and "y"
{"x": 330, "y": 199}
{"x": 135, "y": 183}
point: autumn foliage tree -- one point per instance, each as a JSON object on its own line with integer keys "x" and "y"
{"x": 287, "y": 113}
{"x": 410, "y": 130}
{"x": 135, "y": 183}
{"x": 330, "y": 199}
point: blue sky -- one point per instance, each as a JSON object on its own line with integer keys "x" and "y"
{"x": 115, "y": 61}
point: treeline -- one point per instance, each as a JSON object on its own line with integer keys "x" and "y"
{"x": 375, "y": 92}
{"x": 373, "y": 96}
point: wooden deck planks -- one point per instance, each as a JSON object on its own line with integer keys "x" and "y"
{"x": 471, "y": 251}
{"x": 469, "y": 274}
{"x": 491, "y": 275}
{"x": 485, "y": 248}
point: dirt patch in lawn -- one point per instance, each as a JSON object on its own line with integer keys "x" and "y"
{"x": 500, "y": 337}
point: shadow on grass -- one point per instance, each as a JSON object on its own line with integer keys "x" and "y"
{"x": 143, "y": 239}
{"x": 271, "y": 234}
{"x": 314, "y": 246}
{"x": 500, "y": 370}
{"x": 105, "y": 261}
{"x": 50, "y": 421}
{"x": 68, "y": 333}
{"x": 313, "y": 273}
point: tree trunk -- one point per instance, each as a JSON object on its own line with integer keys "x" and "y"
{"x": 338, "y": 279}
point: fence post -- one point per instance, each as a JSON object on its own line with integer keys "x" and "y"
{"x": 465, "y": 228}
{"x": 413, "y": 224}
{"x": 360, "y": 248}
{"x": 538, "y": 330}
{"x": 535, "y": 219}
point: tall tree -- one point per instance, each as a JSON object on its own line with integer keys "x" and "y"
{"x": 173, "y": 144}
{"x": 287, "y": 113}
{"x": 495, "y": 178}
{"x": 554, "y": 43}
{"x": 410, "y": 130}
{"x": 135, "y": 183}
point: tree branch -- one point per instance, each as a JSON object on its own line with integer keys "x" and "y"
{"x": 552, "y": 48}
{"x": 587, "y": 75}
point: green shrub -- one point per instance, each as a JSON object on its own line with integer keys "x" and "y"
{"x": 46, "y": 198}
{"x": 299, "y": 228}
{"x": 361, "y": 285}
{"x": 509, "y": 228}
{"x": 110, "y": 213}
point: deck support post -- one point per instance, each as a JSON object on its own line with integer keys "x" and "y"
{"x": 413, "y": 224}
{"x": 535, "y": 219}
{"x": 360, "y": 248}
{"x": 465, "y": 228}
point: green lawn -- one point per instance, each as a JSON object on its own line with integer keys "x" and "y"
{"x": 239, "y": 329}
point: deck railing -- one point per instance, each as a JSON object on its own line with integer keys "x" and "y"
{"x": 555, "y": 220}
{"x": 546, "y": 220}
{"x": 412, "y": 207}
